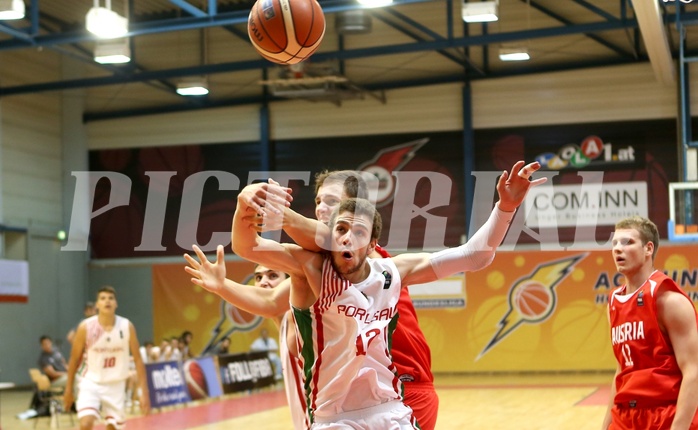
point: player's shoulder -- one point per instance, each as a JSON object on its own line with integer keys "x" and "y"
{"x": 88, "y": 322}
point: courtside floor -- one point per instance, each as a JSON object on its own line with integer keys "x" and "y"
{"x": 479, "y": 402}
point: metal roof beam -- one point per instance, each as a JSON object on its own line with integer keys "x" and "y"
{"x": 656, "y": 42}
{"x": 324, "y": 56}
{"x": 192, "y": 10}
{"x": 175, "y": 24}
{"x": 597, "y": 10}
{"x": 463, "y": 62}
{"x": 439, "y": 80}
{"x": 594, "y": 37}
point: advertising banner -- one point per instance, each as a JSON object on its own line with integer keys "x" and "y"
{"x": 14, "y": 281}
{"x": 240, "y": 372}
{"x": 202, "y": 378}
{"x": 179, "y": 305}
{"x": 166, "y": 384}
{"x": 538, "y": 311}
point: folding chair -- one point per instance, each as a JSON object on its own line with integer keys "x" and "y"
{"x": 52, "y": 396}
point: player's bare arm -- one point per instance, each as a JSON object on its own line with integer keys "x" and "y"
{"x": 677, "y": 317}
{"x": 611, "y": 401}
{"x": 611, "y": 398}
{"x": 249, "y": 245}
{"x": 76, "y": 352}
{"x": 211, "y": 276}
{"x": 140, "y": 369}
{"x": 311, "y": 234}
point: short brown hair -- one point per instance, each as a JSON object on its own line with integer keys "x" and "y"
{"x": 647, "y": 229}
{"x": 354, "y": 184}
{"x": 360, "y": 207}
{"x": 107, "y": 289}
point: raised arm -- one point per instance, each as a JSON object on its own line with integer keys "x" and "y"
{"x": 265, "y": 302}
{"x": 250, "y": 246}
{"x": 478, "y": 252}
{"x": 310, "y": 234}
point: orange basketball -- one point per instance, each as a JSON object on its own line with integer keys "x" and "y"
{"x": 286, "y": 31}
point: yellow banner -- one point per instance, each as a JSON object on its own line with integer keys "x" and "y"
{"x": 179, "y": 305}
{"x": 537, "y": 311}
{"x": 527, "y": 311}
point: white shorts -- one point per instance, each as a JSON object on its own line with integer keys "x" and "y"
{"x": 393, "y": 415}
{"x": 109, "y": 398}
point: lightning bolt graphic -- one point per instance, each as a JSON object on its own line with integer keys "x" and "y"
{"x": 544, "y": 279}
{"x": 389, "y": 160}
{"x": 394, "y": 157}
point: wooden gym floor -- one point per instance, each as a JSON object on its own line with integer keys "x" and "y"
{"x": 478, "y": 402}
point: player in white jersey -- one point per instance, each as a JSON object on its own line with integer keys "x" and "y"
{"x": 344, "y": 303}
{"x": 105, "y": 341}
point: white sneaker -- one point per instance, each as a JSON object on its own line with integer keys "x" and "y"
{"x": 30, "y": 413}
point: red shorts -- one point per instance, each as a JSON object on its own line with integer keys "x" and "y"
{"x": 422, "y": 398}
{"x": 655, "y": 418}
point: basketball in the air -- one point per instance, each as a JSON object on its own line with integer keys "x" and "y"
{"x": 286, "y": 31}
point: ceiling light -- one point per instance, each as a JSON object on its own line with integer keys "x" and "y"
{"x": 113, "y": 51}
{"x": 192, "y": 87}
{"x": 479, "y": 11}
{"x": 356, "y": 21}
{"x": 106, "y": 23}
{"x": 375, "y": 3}
{"x": 11, "y": 9}
{"x": 514, "y": 54}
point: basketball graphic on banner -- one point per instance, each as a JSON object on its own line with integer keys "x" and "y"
{"x": 196, "y": 380}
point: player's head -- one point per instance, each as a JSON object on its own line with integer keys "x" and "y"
{"x": 106, "y": 299}
{"x": 46, "y": 343}
{"x": 646, "y": 231}
{"x": 333, "y": 186}
{"x": 89, "y": 309}
{"x": 187, "y": 337}
{"x": 356, "y": 226}
{"x": 267, "y": 278}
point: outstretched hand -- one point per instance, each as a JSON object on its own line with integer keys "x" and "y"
{"x": 207, "y": 275}
{"x": 513, "y": 187}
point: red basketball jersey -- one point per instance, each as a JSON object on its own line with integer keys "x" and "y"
{"x": 649, "y": 374}
{"x": 410, "y": 351}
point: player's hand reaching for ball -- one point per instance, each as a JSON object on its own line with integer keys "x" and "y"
{"x": 207, "y": 275}
{"x": 513, "y": 187}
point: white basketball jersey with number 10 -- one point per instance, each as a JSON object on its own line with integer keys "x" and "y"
{"x": 107, "y": 351}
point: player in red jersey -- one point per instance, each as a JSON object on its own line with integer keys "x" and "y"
{"x": 654, "y": 333}
{"x": 412, "y": 357}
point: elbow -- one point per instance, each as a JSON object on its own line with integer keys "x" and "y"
{"x": 243, "y": 252}
{"x": 240, "y": 249}
{"x": 482, "y": 259}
